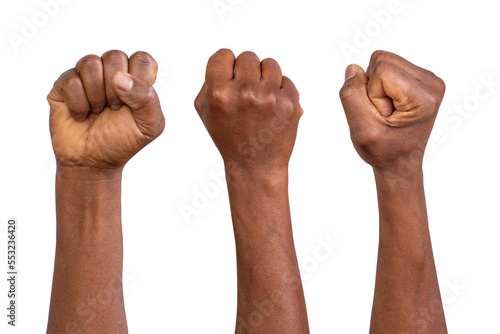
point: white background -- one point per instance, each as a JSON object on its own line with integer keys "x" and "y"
{"x": 180, "y": 274}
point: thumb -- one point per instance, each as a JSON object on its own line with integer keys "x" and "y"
{"x": 141, "y": 97}
{"x": 358, "y": 108}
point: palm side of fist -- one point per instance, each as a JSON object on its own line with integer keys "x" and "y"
{"x": 250, "y": 110}
{"x": 391, "y": 110}
{"x": 105, "y": 110}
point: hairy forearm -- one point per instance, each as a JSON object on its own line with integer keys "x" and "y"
{"x": 87, "y": 294}
{"x": 407, "y": 297}
{"x": 270, "y": 296}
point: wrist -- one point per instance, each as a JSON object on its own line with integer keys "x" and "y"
{"x": 258, "y": 199}
{"x": 87, "y": 196}
{"x": 395, "y": 181}
{"x": 83, "y": 173}
{"x": 264, "y": 179}
{"x": 399, "y": 172}
{"x": 234, "y": 170}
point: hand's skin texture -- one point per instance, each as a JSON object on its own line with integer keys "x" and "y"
{"x": 97, "y": 123}
{"x": 252, "y": 112}
{"x": 391, "y": 110}
{"x": 93, "y": 123}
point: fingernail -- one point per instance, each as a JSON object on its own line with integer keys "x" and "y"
{"x": 125, "y": 83}
{"x": 350, "y": 72}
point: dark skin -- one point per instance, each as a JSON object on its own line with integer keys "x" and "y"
{"x": 102, "y": 112}
{"x": 252, "y": 112}
{"x": 391, "y": 109}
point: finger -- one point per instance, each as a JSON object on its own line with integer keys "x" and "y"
{"x": 141, "y": 97}
{"x": 376, "y": 91}
{"x": 70, "y": 87}
{"x": 358, "y": 108}
{"x": 418, "y": 72}
{"x": 113, "y": 61}
{"x": 247, "y": 67}
{"x": 289, "y": 88}
{"x": 90, "y": 70}
{"x": 220, "y": 66}
{"x": 143, "y": 66}
{"x": 198, "y": 102}
{"x": 391, "y": 87}
{"x": 271, "y": 72}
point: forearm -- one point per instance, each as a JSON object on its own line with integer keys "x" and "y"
{"x": 407, "y": 297}
{"x": 270, "y": 296}
{"x": 87, "y": 294}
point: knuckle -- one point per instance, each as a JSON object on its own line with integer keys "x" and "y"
{"x": 260, "y": 99}
{"x": 270, "y": 62}
{"x": 349, "y": 91}
{"x": 150, "y": 95}
{"x": 249, "y": 95}
{"x": 143, "y": 58}
{"x": 379, "y": 52}
{"x": 345, "y": 93}
{"x": 434, "y": 100}
{"x": 430, "y": 101}
{"x": 219, "y": 96}
{"x": 114, "y": 55}
{"x": 378, "y": 55}
{"x": 222, "y": 53}
{"x": 367, "y": 138}
{"x": 198, "y": 103}
{"x": 88, "y": 62}
{"x": 381, "y": 66}
{"x": 441, "y": 86}
{"x": 429, "y": 96}
{"x": 70, "y": 79}
{"x": 248, "y": 54}
{"x": 436, "y": 82}
{"x": 289, "y": 105}
{"x": 269, "y": 100}
{"x": 289, "y": 85}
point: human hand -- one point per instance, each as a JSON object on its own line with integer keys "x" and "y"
{"x": 105, "y": 110}
{"x": 391, "y": 110}
{"x": 250, "y": 110}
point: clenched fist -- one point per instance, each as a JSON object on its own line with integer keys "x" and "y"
{"x": 250, "y": 110}
{"x": 391, "y": 110}
{"x": 105, "y": 110}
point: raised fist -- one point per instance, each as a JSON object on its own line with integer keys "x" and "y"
{"x": 250, "y": 110}
{"x": 391, "y": 110}
{"x": 105, "y": 110}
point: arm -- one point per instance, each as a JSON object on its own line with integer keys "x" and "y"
{"x": 407, "y": 293}
{"x": 87, "y": 289}
{"x": 391, "y": 110}
{"x": 98, "y": 120}
{"x": 270, "y": 296}
{"x": 252, "y": 114}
